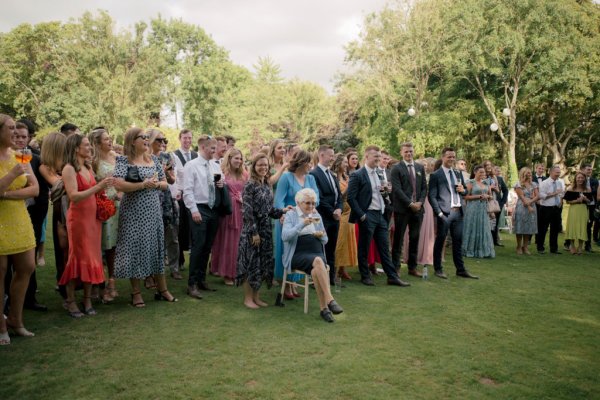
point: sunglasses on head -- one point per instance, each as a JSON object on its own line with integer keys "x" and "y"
{"x": 162, "y": 140}
{"x": 145, "y": 137}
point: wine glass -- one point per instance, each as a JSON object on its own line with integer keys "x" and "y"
{"x": 24, "y": 156}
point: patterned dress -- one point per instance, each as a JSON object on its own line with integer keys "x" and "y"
{"x": 525, "y": 222}
{"x": 110, "y": 226}
{"x": 345, "y": 250}
{"x": 256, "y": 264}
{"x": 477, "y": 234}
{"x": 14, "y": 217}
{"x": 140, "y": 241}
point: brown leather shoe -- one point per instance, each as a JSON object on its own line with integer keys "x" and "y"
{"x": 193, "y": 291}
{"x": 414, "y": 272}
{"x": 176, "y": 275}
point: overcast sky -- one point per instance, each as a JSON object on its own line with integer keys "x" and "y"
{"x": 306, "y": 38}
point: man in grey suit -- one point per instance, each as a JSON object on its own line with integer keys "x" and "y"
{"x": 446, "y": 191}
{"x": 409, "y": 188}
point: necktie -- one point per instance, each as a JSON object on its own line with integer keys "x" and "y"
{"x": 556, "y": 199}
{"x": 331, "y": 183}
{"x": 452, "y": 188}
{"x": 187, "y": 156}
{"x": 211, "y": 186}
{"x": 413, "y": 182}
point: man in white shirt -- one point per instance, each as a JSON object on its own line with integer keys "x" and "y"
{"x": 220, "y": 150}
{"x": 551, "y": 192}
{"x": 461, "y": 165}
{"x": 182, "y": 156}
{"x": 202, "y": 191}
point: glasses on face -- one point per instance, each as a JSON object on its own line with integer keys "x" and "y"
{"x": 310, "y": 203}
{"x": 162, "y": 140}
{"x": 145, "y": 137}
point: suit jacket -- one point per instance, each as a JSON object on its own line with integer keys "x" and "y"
{"x": 593, "y": 186}
{"x": 439, "y": 192}
{"x": 360, "y": 194}
{"x": 503, "y": 191}
{"x": 402, "y": 190}
{"x": 327, "y": 203}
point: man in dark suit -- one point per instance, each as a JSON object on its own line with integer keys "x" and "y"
{"x": 592, "y": 184}
{"x": 446, "y": 191}
{"x": 409, "y": 188}
{"x": 367, "y": 209}
{"x": 182, "y": 156}
{"x": 330, "y": 204}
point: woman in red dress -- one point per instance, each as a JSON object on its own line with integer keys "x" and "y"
{"x": 84, "y": 230}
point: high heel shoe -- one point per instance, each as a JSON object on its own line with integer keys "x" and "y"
{"x": 160, "y": 296}
{"x": 343, "y": 274}
{"x": 74, "y": 314}
{"x": 111, "y": 287}
{"x": 289, "y": 296}
{"x": 19, "y": 331}
{"x": 139, "y": 304}
{"x": 88, "y": 311}
{"x": 4, "y": 339}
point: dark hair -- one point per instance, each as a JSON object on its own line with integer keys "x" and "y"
{"x": 586, "y": 165}
{"x": 229, "y": 139}
{"x": 68, "y": 127}
{"x": 31, "y": 128}
{"x": 73, "y": 143}
{"x": 184, "y": 131}
{"x": 446, "y": 149}
{"x": 323, "y": 148}
{"x": 337, "y": 165}
{"x": 301, "y": 157}
{"x": 371, "y": 148}
{"x": 20, "y": 125}
{"x": 475, "y": 169}
{"x": 438, "y": 164}
{"x": 253, "y": 175}
{"x": 350, "y": 154}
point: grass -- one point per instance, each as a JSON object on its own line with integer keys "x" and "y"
{"x": 528, "y": 329}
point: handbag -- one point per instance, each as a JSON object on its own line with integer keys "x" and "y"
{"x": 493, "y": 206}
{"x": 225, "y": 208}
{"x": 133, "y": 174}
{"x": 105, "y": 207}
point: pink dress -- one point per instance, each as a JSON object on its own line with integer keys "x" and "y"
{"x": 225, "y": 246}
{"x": 85, "y": 238}
{"x": 373, "y": 257}
{"x": 426, "y": 238}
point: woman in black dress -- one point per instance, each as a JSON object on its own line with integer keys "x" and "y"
{"x": 304, "y": 236}
{"x": 255, "y": 262}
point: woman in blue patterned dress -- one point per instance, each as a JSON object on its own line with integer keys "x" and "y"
{"x": 296, "y": 178}
{"x": 525, "y": 214}
{"x": 140, "y": 241}
{"x": 477, "y": 234}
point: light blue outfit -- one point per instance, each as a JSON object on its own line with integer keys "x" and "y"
{"x": 477, "y": 234}
{"x": 285, "y": 195}
{"x": 292, "y": 225}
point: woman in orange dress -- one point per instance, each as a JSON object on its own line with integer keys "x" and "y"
{"x": 84, "y": 229}
{"x": 345, "y": 251}
{"x": 17, "y": 240}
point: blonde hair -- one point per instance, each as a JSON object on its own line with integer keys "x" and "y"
{"x": 272, "y": 147}
{"x": 226, "y": 167}
{"x": 53, "y": 148}
{"x": 153, "y": 133}
{"x": 95, "y": 137}
{"x": 128, "y": 147}
{"x": 522, "y": 173}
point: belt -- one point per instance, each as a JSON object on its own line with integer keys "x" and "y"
{"x": 455, "y": 208}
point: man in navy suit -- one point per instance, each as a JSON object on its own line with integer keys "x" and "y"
{"x": 446, "y": 191}
{"x": 409, "y": 188}
{"x": 367, "y": 208}
{"x": 330, "y": 204}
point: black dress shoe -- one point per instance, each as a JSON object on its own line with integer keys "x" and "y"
{"x": 334, "y": 307}
{"x": 397, "y": 282}
{"x": 35, "y": 307}
{"x": 204, "y": 286}
{"x": 327, "y": 315}
{"x": 466, "y": 274}
{"x": 440, "y": 274}
{"x": 498, "y": 244}
{"x": 556, "y": 252}
{"x": 367, "y": 282}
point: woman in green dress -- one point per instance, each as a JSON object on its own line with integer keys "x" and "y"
{"x": 477, "y": 234}
{"x": 578, "y": 216}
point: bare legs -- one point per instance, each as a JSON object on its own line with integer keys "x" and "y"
{"x": 320, "y": 277}
{"x": 161, "y": 284}
{"x": 24, "y": 264}
{"x": 523, "y": 244}
{"x": 576, "y": 250}
{"x": 136, "y": 296}
{"x": 252, "y": 297}
{"x": 519, "y": 244}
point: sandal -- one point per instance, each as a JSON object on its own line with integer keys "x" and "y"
{"x": 139, "y": 304}
{"x": 112, "y": 289}
{"x": 19, "y": 331}
{"x": 88, "y": 311}
{"x": 160, "y": 296}
{"x": 74, "y": 314}
{"x": 4, "y": 339}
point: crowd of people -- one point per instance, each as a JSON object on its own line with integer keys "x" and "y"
{"x": 133, "y": 212}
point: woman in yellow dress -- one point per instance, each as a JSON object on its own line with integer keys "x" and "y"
{"x": 17, "y": 183}
{"x": 578, "y": 216}
{"x": 345, "y": 251}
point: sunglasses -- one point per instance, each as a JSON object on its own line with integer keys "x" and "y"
{"x": 145, "y": 137}
{"x": 162, "y": 140}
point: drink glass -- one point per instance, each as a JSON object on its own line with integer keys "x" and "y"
{"x": 217, "y": 177}
{"x": 338, "y": 284}
{"x": 24, "y": 156}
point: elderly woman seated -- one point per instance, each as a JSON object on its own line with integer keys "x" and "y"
{"x": 303, "y": 237}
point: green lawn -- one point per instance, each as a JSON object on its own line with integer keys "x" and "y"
{"x": 528, "y": 329}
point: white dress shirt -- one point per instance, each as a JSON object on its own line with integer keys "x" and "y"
{"x": 547, "y": 187}
{"x": 187, "y": 155}
{"x": 195, "y": 181}
{"x": 377, "y": 202}
{"x": 455, "y": 202}
{"x": 330, "y": 180}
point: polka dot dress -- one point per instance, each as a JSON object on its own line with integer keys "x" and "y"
{"x": 140, "y": 238}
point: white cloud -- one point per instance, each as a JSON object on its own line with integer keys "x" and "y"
{"x": 306, "y": 38}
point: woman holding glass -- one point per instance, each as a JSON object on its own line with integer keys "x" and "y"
{"x": 304, "y": 238}
{"x": 140, "y": 248}
{"x": 525, "y": 214}
{"x": 17, "y": 183}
